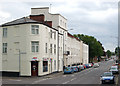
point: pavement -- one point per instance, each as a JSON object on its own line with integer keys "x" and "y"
{"x": 89, "y": 76}
{"x": 119, "y": 77}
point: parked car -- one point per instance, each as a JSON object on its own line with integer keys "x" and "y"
{"x": 107, "y": 77}
{"x": 68, "y": 70}
{"x": 75, "y": 68}
{"x": 84, "y": 66}
{"x": 87, "y": 65}
{"x": 114, "y": 69}
{"x": 96, "y": 65}
{"x": 90, "y": 65}
{"x": 80, "y": 67}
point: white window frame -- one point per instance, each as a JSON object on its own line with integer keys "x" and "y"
{"x": 34, "y": 29}
{"x": 46, "y": 49}
{"x": 35, "y": 46}
{"x": 51, "y": 48}
{"x": 4, "y": 47}
{"x": 54, "y": 48}
{"x": 50, "y": 33}
{"x": 4, "y": 32}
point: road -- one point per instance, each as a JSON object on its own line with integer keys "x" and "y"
{"x": 88, "y": 76}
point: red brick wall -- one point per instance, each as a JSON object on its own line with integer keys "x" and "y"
{"x": 39, "y": 18}
{"x": 49, "y": 23}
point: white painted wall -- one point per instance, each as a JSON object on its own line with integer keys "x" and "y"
{"x": 0, "y": 49}
{"x": 85, "y": 54}
{"x": 22, "y": 34}
{"x": 60, "y": 23}
{"x": 75, "y": 48}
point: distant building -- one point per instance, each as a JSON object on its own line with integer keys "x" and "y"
{"x": 74, "y": 50}
{"x": 85, "y": 58}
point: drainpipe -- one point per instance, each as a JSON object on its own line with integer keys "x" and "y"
{"x": 58, "y": 51}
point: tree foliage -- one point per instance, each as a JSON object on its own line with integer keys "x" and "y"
{"x": 117, "y": 49}
{"x": 95, "y": 47}
{"x": 109, "y": 53}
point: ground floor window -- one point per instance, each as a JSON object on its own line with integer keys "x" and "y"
{"x": 45, "y": 66}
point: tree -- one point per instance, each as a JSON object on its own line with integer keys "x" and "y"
{"x": 108, "y": 53}
{"x": 95, "y": 47}
{"x": 116, "y": 51}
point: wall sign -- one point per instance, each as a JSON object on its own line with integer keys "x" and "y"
{"x": 34, "y": 59}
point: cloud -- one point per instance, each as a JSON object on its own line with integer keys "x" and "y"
{"x": 92, "y": 17}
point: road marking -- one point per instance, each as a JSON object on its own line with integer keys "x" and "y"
{"x": 35, "y": 82}
{"x": 64, "y": 75}
{"x": 73, "y": 79}
{"x": 66, "y": 82}
{"x": 14, "y": 80}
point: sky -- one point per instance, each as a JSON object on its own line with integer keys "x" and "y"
{"x": 98, "y": 18}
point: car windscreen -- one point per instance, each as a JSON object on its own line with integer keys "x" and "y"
{"x": 107, "y": 74}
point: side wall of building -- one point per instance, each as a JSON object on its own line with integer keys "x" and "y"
{"x": 85, "y": 54}
{"x": 0, "y": 49}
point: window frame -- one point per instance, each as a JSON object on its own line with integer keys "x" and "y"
{"x": 35, "y": 29}
{"x": 34, "y": 46}
{"x": 4, "y": 48}
{"x": 5, "y": 32}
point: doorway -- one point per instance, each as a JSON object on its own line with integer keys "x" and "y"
{"x": 34, "y": 68}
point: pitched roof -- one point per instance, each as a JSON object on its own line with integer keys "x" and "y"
{"x": 20, "y": 21}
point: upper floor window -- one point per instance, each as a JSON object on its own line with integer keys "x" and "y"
{"x": 50, "y": 48}
{"x": 46, "y": 47}
{"x": 65, "y": 24}
{"x": 54, "y": 49}
{"x": 54, "y": 35}
{"x": 35, "y": 46}
{"x": 4, "y": 47}
{"x": 4, "y": 32}
{"x": 35, "y": 29}
{"x": 50, "y": 33}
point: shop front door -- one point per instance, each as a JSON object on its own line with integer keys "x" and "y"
{"x": 34, "y": 68}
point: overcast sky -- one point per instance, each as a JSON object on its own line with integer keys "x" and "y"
{"x": 98, "y": 18}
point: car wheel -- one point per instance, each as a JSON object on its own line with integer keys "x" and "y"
{"x": 102, "y": 82}
{"x": 113, "y": 82}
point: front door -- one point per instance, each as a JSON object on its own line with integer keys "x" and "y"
{"x": 34, "y": 68}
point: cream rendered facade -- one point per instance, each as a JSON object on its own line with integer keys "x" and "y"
{"x": 74, "y": 46}
{"x": 0, "y": 49}
{"x": 19, "y": 37}
{"x": 85, "y": 54}
{"x": 60, "y": 23}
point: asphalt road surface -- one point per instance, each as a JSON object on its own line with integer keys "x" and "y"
{"x": 87, "y": 76}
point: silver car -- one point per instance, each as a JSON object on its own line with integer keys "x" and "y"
{"x": 96, "y": 65}
{"x": 114, "y": 69}
{"x": 107, "y": 77}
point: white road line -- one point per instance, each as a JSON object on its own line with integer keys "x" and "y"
{"x": 14, "y": 80}
{"x": 64, "y": 75}
{"x": 35, "y": 82}
{"x": 73, "y": 79}
{"x": 66, "y": 82}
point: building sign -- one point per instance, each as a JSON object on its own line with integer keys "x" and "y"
{"x": 45, "y": 59}
{"x": 34, "y": 59}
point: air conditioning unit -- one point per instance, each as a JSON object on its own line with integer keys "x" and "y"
{"x": 66, "y": 52}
